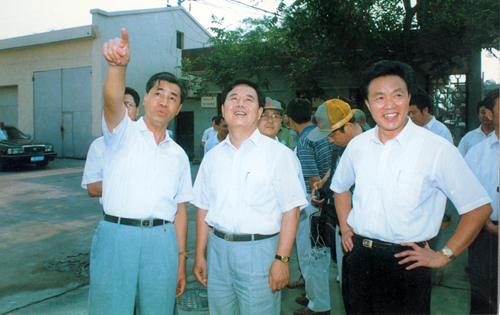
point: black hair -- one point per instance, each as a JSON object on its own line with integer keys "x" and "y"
{"x": 421, "y": 100}
{"x": 169, "y": 77}
{"x": 490, "y": 98}
{"x": 479, "y": 105}
{"x": 299, "y": 110}
{"x": 218, "y": 119}
{"x": 134, "y": 94}
{"x": 283, "y": 105}
{"x": 214, "y": 118}
{"x": 260, "y": 95}
{"x": 384, "y": 68}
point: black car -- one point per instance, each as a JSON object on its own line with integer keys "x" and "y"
{"x": 17, "y": 148}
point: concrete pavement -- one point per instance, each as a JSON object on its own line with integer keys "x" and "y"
{"x": 46, "y": 233}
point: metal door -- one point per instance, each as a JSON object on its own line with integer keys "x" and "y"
{"x": 47, "y": 87}
{"x": 63, "y": 110}
{"x": 77, "y": 111}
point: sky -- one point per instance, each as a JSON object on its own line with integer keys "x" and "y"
{"x": 27, "y": 17}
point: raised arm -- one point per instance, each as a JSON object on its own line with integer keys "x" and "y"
{"x": 117, "y": 54}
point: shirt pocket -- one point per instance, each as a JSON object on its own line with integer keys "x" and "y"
{"x": 256, "y": 189}
{"x": 408, "y": 190}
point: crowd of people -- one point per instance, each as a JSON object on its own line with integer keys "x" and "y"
{"x": 271, "y": 175}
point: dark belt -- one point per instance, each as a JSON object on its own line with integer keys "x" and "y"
{"x": 242, "y": 237}
{"x": 135, "y": 222}
{"x": 378, "y": 244}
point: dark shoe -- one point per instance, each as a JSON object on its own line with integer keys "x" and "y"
{"x": 307, "y": 311}
{"x": 302, "y": 300}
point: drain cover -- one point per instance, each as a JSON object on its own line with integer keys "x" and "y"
{"x": 193, "y": 299}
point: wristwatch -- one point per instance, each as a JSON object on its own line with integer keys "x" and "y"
{"x": 448, "y": 252}
{"x": 282, "y": 258}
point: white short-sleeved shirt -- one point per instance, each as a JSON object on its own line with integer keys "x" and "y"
{"x": 143, "y": 180}
{"x": 94, "y": 164}
{"x": 247, "y": 190}
{"x": 483, "y": 162}
{"x": 402, "y": 185}
{"x": 212, "y": 142}
{"x": 208, "y": 133}
{"x": 439, "y": 128}
{"x": 472, "y": 138}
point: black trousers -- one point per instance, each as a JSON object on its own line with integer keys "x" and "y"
{"x": 374, "y": 283}
{"x": 483, "y": 274}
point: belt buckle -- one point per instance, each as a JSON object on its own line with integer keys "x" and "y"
{"x": 367, "y": 243}
{"x": 147, "y": 223}
{"x": 228, "y": 237}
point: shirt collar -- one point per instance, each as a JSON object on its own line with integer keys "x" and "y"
{"x": 493, "y": 139}
{"x": 255, "y": 138}
{"x": 431, "y": 123}
{"x": 141, "y": 124}
{"x": 479, "y": 131}
{"x": 304, "y": 133}
{"x": 402, "y": 138}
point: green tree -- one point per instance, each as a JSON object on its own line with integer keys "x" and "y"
{"x": 308, "y": 41}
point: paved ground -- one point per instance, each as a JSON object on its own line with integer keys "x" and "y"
{"x": 46, "y": 233}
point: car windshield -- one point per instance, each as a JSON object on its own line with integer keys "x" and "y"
{"x": 11, "y": 133}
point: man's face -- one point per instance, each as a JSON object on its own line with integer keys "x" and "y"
{"x": 162, "y": 103}
{"x": 339, "y": 137}
{"x": 483, "y": 117}
{"x": 417, "y": 116}
{"x": 132, "y": 108}
{"x": 241, "y": 107}
{"x": 388, "y": 101}
{"x": 223, "y": 129}
{"x": 496, "y": 115}
{"x": 270, "y": 122}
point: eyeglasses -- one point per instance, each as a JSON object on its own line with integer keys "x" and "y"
{"x": 273, "y": 117}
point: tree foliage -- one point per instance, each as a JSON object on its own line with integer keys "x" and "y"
{"x": 307, "y": 41}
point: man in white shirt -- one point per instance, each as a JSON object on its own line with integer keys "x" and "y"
{"x": 420, "y": 114}
{"x": 94, "y": 165}
{"x": 209, "y": 132}
{"x": 483, "y": 252}
{"x": 477, "y": 135}
{"x": 137, "y": 253}
{"x": 222, "y": 133}
{"x": 403, "y": 175}
{"x": 249, "y": 194}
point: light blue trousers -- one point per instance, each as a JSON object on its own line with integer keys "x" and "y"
{"x": 314, "y": 263}
{"x": 130, "y": 262}
{"x": 238, "y": 277}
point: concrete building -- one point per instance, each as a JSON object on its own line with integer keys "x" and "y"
{"x": 51, "y": 83}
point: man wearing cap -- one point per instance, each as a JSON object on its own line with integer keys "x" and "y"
{"x": 249, "y": 194}
{"x": 314, "y": 261}
{"x": 270, "y": 120}
{"x": 403, "y": 175}
{"x": 343, "y": 125}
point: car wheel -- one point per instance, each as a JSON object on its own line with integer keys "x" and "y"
{"x": 42, "y": 164}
